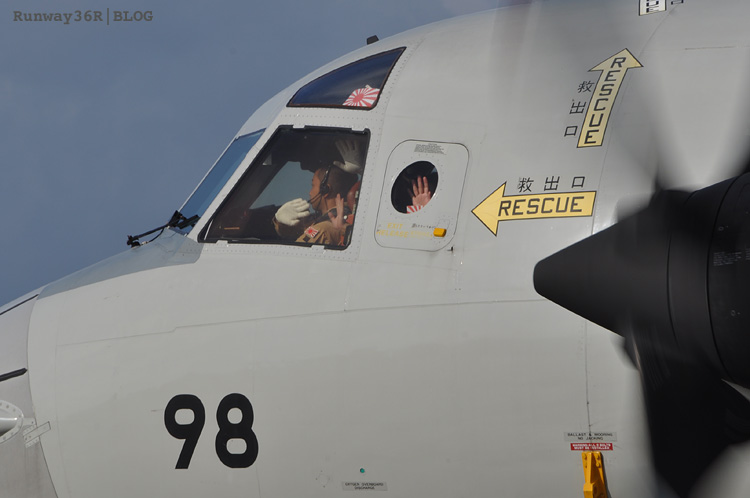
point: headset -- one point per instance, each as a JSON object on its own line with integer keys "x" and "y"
{"x": 324, "y": 187}
{"x": 323, "y": 190}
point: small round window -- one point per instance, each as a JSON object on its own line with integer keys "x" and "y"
{"x": 414, "y": 187}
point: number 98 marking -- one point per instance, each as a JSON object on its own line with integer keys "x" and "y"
{"x": 228, "y": 430}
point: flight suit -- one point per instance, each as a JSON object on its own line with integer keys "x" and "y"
{"x": 322, "y": 233}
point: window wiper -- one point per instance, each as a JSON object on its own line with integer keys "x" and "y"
{"x": 177, "y": 220}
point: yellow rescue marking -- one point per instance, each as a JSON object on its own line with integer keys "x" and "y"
{"x": 595, "y": 484}
{"x": 398, "y": 230}
{"x": 613, "y": 72}
{"x": 497, "y": 207}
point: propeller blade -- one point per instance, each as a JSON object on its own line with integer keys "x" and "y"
{"x": 693, "y": 416}
{"x": 674, "y": 280}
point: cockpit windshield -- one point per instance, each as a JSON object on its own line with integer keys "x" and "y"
{"x": 301, "y": 189}
{"x": 356, "y": 85}
{"x": 218, "y": 176}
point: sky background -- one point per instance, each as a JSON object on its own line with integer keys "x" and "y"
{"x": 106, "y": 129}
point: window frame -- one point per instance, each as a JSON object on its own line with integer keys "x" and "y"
{"x": 215, "y": 191}
{"x": 256, "y": 163}
{"x": 400, "y": 51}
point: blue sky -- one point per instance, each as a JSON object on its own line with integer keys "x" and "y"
{"x": 106, "y": 129}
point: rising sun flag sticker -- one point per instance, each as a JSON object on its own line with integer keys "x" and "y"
{"x": 363, "y": 97}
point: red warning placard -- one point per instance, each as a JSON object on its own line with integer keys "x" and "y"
{"x": 591, "y": 446}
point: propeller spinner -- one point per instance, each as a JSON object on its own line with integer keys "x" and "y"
{"x": 674, "y": 280}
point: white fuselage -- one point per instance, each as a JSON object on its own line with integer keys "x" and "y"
{"x": 393, "y": 366}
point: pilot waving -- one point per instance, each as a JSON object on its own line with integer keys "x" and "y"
{"x": 330, "y": 186}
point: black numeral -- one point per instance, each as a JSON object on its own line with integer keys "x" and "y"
{"x": 228, "y": 430}
{"x": 189, "y": 432}
{"x": 241, "y": 430}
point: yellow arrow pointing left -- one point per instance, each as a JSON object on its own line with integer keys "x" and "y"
{"x": 497, "y": 207}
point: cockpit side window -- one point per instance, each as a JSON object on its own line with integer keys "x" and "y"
{"x": 356, "y": 85}
{"x": 218, "y": 176}
{"x": 301, "y": 189}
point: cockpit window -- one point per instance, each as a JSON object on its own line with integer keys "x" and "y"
{"x": 301, "y": 189}
{"x": 356, "y": 85}
{"x": 218, "y": 176}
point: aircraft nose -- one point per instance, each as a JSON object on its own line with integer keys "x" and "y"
{"x": 23, "y": 470}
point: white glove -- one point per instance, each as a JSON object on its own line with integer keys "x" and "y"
{"x": 292, "y": 212}
{"x": 352, "y": 156}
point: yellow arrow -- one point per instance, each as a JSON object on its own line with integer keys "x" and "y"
{"x": 613, "y": 72}
{"x": 497, "y": 207}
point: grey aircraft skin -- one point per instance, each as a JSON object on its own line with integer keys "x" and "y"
{"x": 385, "y": 338}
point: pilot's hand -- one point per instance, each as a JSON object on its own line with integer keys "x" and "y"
{"x": 351, "y": 154}
{"x": 338, "y": 218}
{"x": 292, "y": 212}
